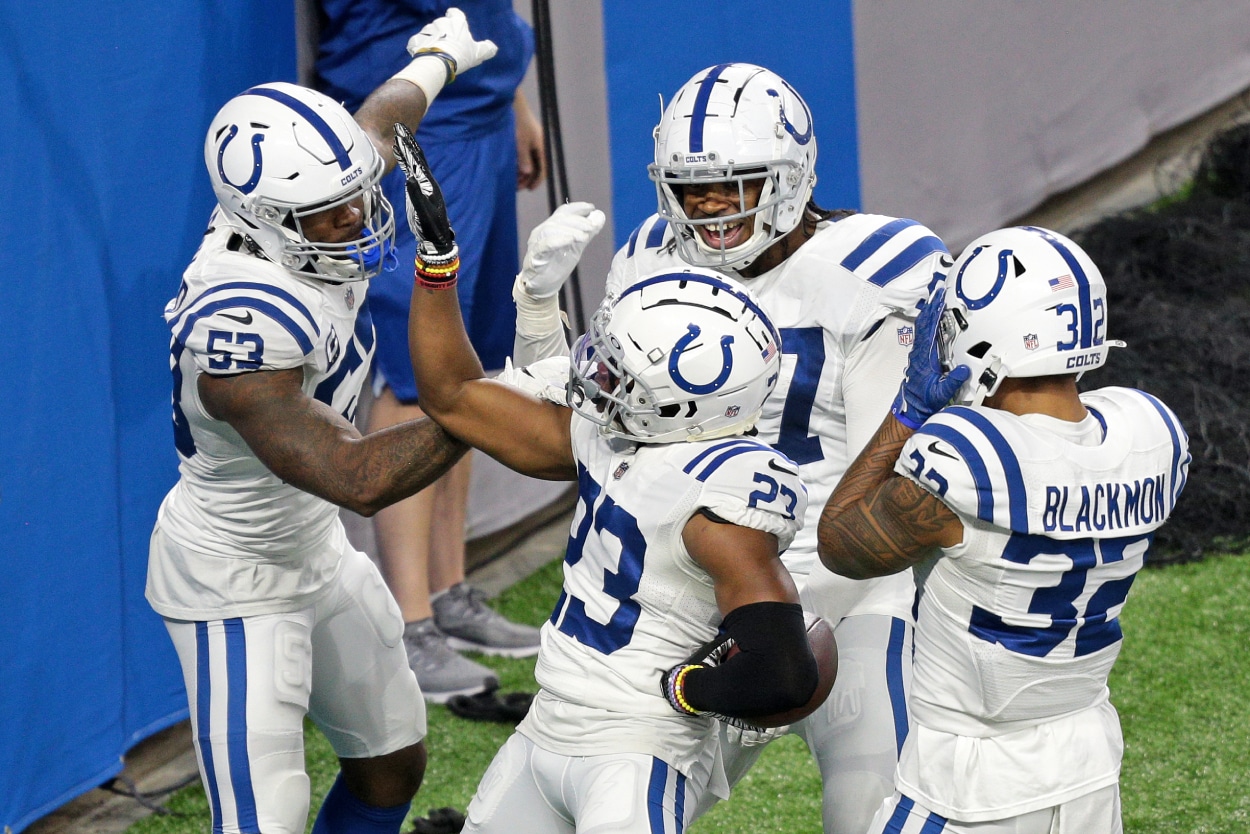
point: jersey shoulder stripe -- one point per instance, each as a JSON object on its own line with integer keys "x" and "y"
{"x": 901, "y": 263}
{"x": 709, "y": 460}
{"x": 271, "y": 310}
{"x": 655, "y": 235}
{"x": 903, "y": 243}
{"x": 251, "y": 286}
{"x": 997, "y": 477}
{"x": 1006, "y": 463}
{"x": 1181, "y": 456}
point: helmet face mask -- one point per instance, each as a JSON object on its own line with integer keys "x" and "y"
{"x": 1022, "y": 302}
{"x": 679, "y": 356}
{"x": 280, "y": 155}
{"x": 732, "y": 124}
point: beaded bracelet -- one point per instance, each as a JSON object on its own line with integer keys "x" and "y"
{"x": 436, "y": 275}
{"x": 678, "y": 689}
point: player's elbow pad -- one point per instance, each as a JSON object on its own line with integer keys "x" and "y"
{"x": 773, "y": 671}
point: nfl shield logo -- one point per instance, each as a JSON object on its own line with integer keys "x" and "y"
{"x": 350, "y": 298}
{"x": 620, "y": 471}
{"x": 732, "y": 411}
{"x": 906, "y": 335}
{"x": 1030, "y": 341}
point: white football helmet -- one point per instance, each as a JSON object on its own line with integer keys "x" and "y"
{"x": 678, "y": 356}
{"x": 1023, "y": 302}
{"x": 277, "y": 153}
{"x": 733, "y": 123}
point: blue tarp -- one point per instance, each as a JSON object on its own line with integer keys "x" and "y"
{"x": 104, "y": 111}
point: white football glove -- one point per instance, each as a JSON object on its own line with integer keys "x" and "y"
{"x": 745, "y": 736}
{"x": 554, "y": 248}
{"x": 450, "y": 39}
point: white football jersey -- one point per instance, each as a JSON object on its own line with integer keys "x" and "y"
{"x": 634, "y": 602}
{"x": 1017, "y": 627}
{"x": 247, "y": 541}
{"x": 854, "y": 277}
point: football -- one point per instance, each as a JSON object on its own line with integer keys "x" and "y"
{"x": 825, "y": 650}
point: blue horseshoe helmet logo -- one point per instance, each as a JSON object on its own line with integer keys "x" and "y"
{"x": 1004, "y": 258}
{"x": 248, "y": 186}
{"x": 801, "y": 138}
{"x": 727, "y": 362}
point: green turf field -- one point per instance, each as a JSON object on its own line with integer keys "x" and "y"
{"x": 1180, "y": 688}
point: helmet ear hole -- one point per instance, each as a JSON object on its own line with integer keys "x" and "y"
{"x": 979, "y": 350}
{"x": 669, "y": 410}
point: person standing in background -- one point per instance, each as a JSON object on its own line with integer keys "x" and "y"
{"x": 483, "y": 143}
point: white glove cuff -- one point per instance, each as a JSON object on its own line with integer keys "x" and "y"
{"x": 536, "y": 317}
{"x": 430, "y": 71}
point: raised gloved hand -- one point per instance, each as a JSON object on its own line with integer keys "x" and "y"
{"x": 449, "y": 38}
{"x": 926, "y": 389}
{"x": 554, "y": 248}
{"x": 438, "y": 257}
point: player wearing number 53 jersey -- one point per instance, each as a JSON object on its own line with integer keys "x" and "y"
{"x": 275, "y": 617}
{"x": 1042, "y": 503}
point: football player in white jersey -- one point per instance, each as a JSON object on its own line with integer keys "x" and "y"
{"x": 273, "y": 614}
{"x": 735, "y": 155}
{"x": 673, "y": 550}
{"x": 1030, "y": 507}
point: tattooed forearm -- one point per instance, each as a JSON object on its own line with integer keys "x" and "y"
{"x": 873, "y": 466}
{"x": 894, "y": 527}
{"x": 877, "y": 523}
{"x": 309, "y": 445}
{"x": 403, "y": 460}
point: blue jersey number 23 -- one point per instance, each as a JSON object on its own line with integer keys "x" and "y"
{"x": 620, "y": 585}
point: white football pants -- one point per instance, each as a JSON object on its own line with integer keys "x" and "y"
{"x": 251, "y": 680}
{"x": 527, "y": 790}
{"x": 1098, "y": 812}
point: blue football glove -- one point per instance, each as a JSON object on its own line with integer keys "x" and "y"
{"x": 926, "y": 389}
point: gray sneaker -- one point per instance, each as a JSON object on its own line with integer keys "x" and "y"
{"x": 441, "y": 671}
{"x": 469, "y": 623}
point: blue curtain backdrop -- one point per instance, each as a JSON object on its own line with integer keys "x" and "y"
{"x": 104, "y": 111}
{"x": 652, "y": 47}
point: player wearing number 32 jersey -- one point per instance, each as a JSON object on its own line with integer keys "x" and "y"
{"x": 1043, "y": 502}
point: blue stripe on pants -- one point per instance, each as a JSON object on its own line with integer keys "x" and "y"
{"x": 236, "y": 726}
{"x": 894, "y": 681}
{"x": 203, "y": 707}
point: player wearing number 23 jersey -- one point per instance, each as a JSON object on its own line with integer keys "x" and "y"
{"x": 734, "y": 171}
{"x": 674, "y": 549}
{"x": 634, "y": 602}
{"x": 1040, "y": 504}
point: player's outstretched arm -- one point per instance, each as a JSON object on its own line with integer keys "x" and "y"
{"x": 521, "y": 431}
{"x": 309, "y": 445}
{"x": 442, "y": 50}
{"x": 876, "y": 522}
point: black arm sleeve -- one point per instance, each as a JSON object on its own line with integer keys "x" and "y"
{"x": 773, "y": 671}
